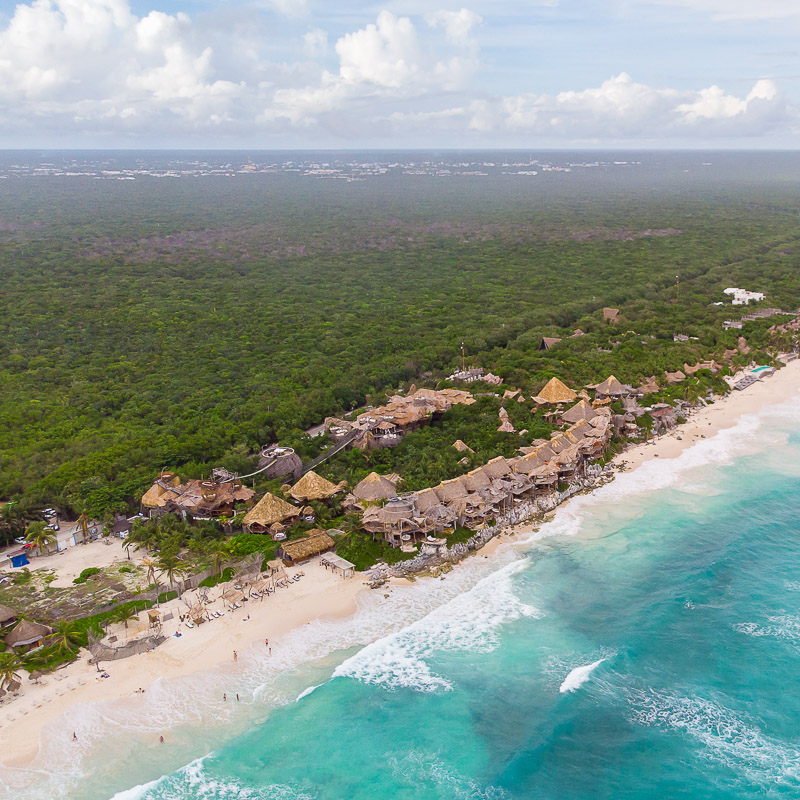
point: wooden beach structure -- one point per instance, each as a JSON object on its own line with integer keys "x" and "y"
{"x": 299, "y": 550}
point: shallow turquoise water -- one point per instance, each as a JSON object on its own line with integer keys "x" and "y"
{"x": 681, "y": 605}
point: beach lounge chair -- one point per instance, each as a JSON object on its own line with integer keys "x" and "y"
{"x": 189, "y": 625}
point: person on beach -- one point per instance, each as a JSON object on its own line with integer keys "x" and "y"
{"x": 235, "y": 656}
{"x": 237, "y": 696}
{"x": 225, "y": 697}
{"x": 266, "y": 642}
{"x": 74, "y": 736}
{"x": 161, "y": 739}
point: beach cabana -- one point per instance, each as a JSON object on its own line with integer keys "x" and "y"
{"x": 338, "y": 564}
{"x": 266, "y": 512}
{"x": 313, "y": 487}
{"x": 26, "y": 636}
{"x": 198, "y": 613}
{"x": 554, "y": 393}
{"x": 299, "y": 550}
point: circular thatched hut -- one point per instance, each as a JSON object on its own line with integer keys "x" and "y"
{"x": 280, "y": 462}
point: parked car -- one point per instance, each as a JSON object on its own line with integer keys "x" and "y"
{"x": 21, "y": 540}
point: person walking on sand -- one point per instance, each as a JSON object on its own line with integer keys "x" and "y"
{"x": 161, "y": 739}
{"x": 74, "y": 736}
{"x": 266, "y": 642}
{"x": 237, "y": 696}
{"x": 225, "y": 697}
{"x": 235, "y": 656}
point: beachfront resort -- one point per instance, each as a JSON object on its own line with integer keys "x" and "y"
{"x": 203, "y": 555}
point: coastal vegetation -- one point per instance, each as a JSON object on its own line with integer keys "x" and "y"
{"x": 186, "y": 325}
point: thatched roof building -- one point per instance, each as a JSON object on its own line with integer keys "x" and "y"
{"x": 579, "y": 411}
{"x": 612, "y": 387}
{"x": 649, "y": 385}
{"x": 611, "y": 314}
{"x": 554, "y": 393}
{"x": 280, "y": 462}
{"x": 27, "y": 635}
{"x": 7, "y": 616}
{"x": 375, "y": 487}
{"x": 475, "y": 479}
{"x": 447, "y": 491}
{"x": 548, "y": 341}
{"x": 675, "y": 377}
{"x": 461, "y": 447}
{"x": 266, "y": 512}
{"x": 299, "y": 550}
{"x": 162, "y": 491}
{"x": 313, "y": 487}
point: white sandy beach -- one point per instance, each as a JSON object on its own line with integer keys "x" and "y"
{"x": 319, "y": 594}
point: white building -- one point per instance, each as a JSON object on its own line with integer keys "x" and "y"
{"x": 741, "y": 297}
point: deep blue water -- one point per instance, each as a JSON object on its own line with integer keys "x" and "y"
{"x": 688, "y": 596}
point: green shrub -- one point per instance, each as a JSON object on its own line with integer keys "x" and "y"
{"x": 86, "y": 574}
{"x": 363, "y": 551}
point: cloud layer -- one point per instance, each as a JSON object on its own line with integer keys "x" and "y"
{"x": 94, "y": 71}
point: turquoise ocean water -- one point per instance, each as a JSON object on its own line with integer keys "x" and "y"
{"x": 645, "y": 644}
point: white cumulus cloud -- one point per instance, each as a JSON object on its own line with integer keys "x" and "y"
{"x": 458, "y": 25}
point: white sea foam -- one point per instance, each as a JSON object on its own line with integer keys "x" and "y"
{"x": 469, "y": 622}
{"x": 193, "y": 783}
{"x": 729, "y": 739}
{"x": 416, "y": 768}
{"x": 193, "y": 704}
{"x": 579, "y": 676}
{"x": 746, "y": 436}
{"x": 306, "y": 692}
{"x": 782, "y": 626}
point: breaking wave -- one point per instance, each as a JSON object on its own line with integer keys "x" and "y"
{"x": 733, "y": 741}
{"x": 469, "y": 622}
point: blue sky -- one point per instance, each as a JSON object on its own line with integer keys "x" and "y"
{"x": 401, "y": 73}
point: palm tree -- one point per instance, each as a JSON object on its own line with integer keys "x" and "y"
{"x": 66, "y": 637}
{"x": 40, "y": 536}
{"x": 219, "y": 550}
{"x": 125, "y": 613}
{"x": 151, "y": 566}
{"x": 172, "y": 568}
{"x": 9, "y": 664}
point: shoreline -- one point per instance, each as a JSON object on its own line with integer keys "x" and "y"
{"x": 318, "y": 595}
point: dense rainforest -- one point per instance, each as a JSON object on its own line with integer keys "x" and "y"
{"x": 185, "y": 323}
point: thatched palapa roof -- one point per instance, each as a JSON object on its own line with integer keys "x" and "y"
{"x": 269, "y": 510}
{"x": 27, "y": 632}
{"x": 375, "y": 487}
{"x": 461, "y": 447}
{"x": 313, "y": 487}
{"x": 7, "y": 614}
{"x": 579, "y": 411}
{"x": 302, "y": 549}
{"x": 554, "y": 392}
{"x": 548, "y": 341}
{"x": 612, "y": 386}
